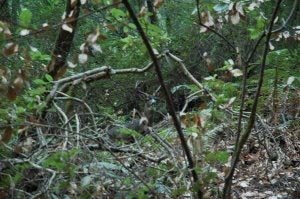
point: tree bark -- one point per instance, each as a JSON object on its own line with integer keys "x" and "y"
{"x": 63, "y": 45}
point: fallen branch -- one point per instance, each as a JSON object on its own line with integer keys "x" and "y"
{"x": 190, "y": 76}
{"x": 92, "y": 75}
{"x": 67, "y": 97}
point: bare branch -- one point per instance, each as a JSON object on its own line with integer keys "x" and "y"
{"x": 67, "y": 97}
{"x": 66, "y": 122}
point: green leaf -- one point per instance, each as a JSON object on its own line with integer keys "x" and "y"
{"x": 227, "y": 65}
{"x": 179, "y": 191}
{"x": 60, "y": 160}
{"x": 25, "y": 17}
{"x": 254, "y": 33}
{"x": 117, "y": 13}
{"x": 127, "y": 131}
{"x": 39, "y": 82}
{"x": 126, "y": 29}
{"x": 49, "y": 77}
{"x": 221, "y": 99}
{"x": 39, "y": 56}
{"x": 20, "y": 110}
{"x": 131, "y": 25}
{"x": 192, "y": 88}
{"x": 127, "y": 181}
{"x": 209, "y": 176}
{"x": 260, "y": 23}
{"x": 220, "y": 156}
{"x": 38, "y": 91}
{"x": 221, "y": 8}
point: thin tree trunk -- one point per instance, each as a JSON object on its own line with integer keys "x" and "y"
{"x": 64, "y": 42}
{"x": 4, "y": 11}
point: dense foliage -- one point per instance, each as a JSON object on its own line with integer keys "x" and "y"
{"x": 85, "y": 113}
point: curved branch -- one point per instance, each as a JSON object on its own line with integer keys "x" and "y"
{"x": 287, "y": 19}
{"x": 67, "y": 97}
{"x": 213, "y": 30}
{"x": 65, "y": 117}
{"x": 187, "y": 73}
{"x": 89, "y": 76}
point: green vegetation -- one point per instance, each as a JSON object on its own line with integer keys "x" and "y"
{"x": 85, "y": 113}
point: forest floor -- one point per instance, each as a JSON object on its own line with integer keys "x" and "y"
{"x": 269, "y": 167}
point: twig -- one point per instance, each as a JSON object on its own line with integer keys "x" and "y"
{"x": 41, "y": 137}
{"x": 287, "y": 19}
{"x": 77, "y": 130}
{"x": 241, "y": 111}
{"x": 213, "y": 30}
{"x": 163, "y": 143}
{"x": 66, "y": 122}
{"x": 187, "y": 73}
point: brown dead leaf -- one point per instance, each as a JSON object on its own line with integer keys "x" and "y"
{"x": 86, "y": 11}
{"x": 184, "y": 121}
{"x": 102, "y": 37}
{"x": 158, "y": 3}
{"x": 111, "y": 27}
{"x": 4, "y": 193}
{"x": 11, "y": 93}
{"x": 18, "y": 83}
{"x": 3, "y": 70}
{"x": 207, "y": 20}
{"x": 27, "y": 57}
{"x": 142, "y": 11}
{"x": 202, "y": 106}
{"x": 210, "y": 67}
{"x": 116, "y": 3}
{"x": 61, "y": 72}
{"x": 7, "y": 134}
{"x": 10, "y": 49}
{"x": 227, "y": 75}
{"x": 73, "y": 3}
{"x": 18, "y": 150}
{"x": 197, "y": 120}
